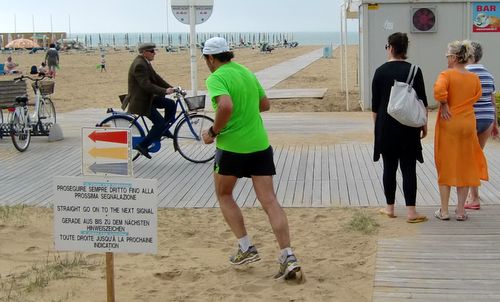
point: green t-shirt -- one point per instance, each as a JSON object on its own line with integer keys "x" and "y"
{"x": 244, "y": 132}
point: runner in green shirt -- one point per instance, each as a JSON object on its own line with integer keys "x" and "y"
{"x": 243, "y": 150}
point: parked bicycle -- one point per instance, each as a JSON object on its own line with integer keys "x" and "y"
{"x": 189, "y": 125}
{"x": 21, "y": 125}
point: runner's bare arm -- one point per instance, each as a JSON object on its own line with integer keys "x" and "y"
{"x": 265, "y": 104}
{"x": 223, "y": 113}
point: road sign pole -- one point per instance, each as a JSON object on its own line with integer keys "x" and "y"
{"x": 192, "y": 47}
{"x": 110, "y": 277}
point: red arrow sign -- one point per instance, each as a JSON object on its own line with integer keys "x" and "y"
{"x": 109, "y": 136}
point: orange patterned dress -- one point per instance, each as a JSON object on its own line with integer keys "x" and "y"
{"x": 460, "y": 162}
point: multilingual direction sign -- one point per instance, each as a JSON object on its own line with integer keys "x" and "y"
{"x": 106, "y": 152}
{"x": 97, "y": 214}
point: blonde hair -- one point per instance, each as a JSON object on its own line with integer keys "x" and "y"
{"x": 463, "y": 50}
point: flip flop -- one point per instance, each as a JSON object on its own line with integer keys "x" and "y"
{"x": 440, "y": 216}
{"x": 470, "y": 206}
{"x": 383, "y": 212}
{"x": 419, "y": 218}
{"x": 463, "y": 217}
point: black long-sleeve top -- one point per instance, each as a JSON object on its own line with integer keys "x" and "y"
{"x": 392, "y": 137}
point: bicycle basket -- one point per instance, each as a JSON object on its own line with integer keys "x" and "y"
{"x": 46, "y": 87}
{"x": 195, "y": 102}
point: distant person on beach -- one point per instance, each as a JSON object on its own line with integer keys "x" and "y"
{"x": 102, "y": 63}
{"x": 459, "y": 159}
{"x": 42, "y": 69}
{"x": 52, "y": 60}
{"x": 485, "y": 112}
{"x": 146, "y": 93}
{"x": 398, "y": 144}
{"x": 10, "y": 67}
{"x": 243, "y": 150}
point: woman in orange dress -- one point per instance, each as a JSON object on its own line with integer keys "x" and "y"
{"x": 460, "y": 161}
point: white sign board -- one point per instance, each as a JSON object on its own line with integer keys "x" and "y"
{"x": 94, "y": 214}
{"x": 106, "y": 152}
{"x": 202, "y": 13}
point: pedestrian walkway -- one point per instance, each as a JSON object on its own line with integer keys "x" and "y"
{"x": 313, "y": 175}
{"x": 446, "y": 261}
{"x": 271, "y": 76}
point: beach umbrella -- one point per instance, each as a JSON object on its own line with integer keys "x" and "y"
{"x": 151, "y": 38}
{"x": 114, "y": 41}
{"x": 180, "y": 39}
{"x": 22, "y": 43}
{"x": 140, "y": 39}
{"x": 90, "y": 40}
{"x": 100, "y": 40}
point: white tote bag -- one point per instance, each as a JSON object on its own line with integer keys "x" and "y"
{"x": 404, "y": 104}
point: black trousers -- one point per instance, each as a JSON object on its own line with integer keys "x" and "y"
{"x": 408, "y": 166}
{"x": 158, "y": 120}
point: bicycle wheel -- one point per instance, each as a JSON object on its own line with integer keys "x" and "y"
{"x": 188, "y": 140}
{"x": 20, "y": 131}
{"x": 46, "y": 114}
{"x": 127, "y": 122}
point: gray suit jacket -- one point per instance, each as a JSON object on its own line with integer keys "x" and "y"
{"x": 143, "y": 84}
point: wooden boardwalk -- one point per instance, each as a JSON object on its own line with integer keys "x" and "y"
{"x": 446, "y": 261}
{"x": 307, "y": 176}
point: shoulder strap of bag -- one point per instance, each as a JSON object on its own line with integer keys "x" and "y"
{"x": 411, "y": 75}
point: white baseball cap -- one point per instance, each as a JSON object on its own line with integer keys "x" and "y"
{"x": 215, "y": 46}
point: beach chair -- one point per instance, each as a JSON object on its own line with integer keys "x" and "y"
{"x": 2, "y": 70}
{"x": 266, "y": 48}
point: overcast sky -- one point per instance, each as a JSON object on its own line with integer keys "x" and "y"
{"x": 105, "y": 16}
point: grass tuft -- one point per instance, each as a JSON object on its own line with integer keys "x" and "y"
{"x": 12, "y": 214}
{"x": 25, "y": 285}
{"x": 362, "y": 222}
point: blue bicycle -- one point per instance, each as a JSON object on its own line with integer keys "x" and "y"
{"x": 189, "y": 125}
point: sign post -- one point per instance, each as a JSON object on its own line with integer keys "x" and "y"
{"x": 104, "y": 210}
{"x": 192, "y": 12}
{"x": 110, "y": 277}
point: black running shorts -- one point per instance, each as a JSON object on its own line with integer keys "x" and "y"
{"x": 244, "y": 165}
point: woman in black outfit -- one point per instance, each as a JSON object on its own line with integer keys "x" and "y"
{"x": 393, "y": 140}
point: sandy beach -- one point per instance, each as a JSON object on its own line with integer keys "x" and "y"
{"x": 192, "y": 261}
{"x": 80, "y": 84}
{"x": 194, "y": 244}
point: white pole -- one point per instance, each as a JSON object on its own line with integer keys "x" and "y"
{"x": 69, "y": 26}
{"x": 167, "y": 19}
{"x": 15, "y": 27}
{"x": 345, "y": 60}
{"x": 192, "y": 47}
{"x": 51, "y": 32}
{"x": 341, "y": 50}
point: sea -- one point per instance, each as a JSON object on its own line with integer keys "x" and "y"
{"x": 182, "y": 39}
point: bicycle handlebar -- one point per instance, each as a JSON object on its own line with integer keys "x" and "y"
{"x": 179, "y": 90}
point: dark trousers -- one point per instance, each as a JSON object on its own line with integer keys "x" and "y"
{"x": 408, "y": 166}
{"x": 158, "y": 120}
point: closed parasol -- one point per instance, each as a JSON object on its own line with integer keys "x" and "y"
{"x": 22, "y": 43}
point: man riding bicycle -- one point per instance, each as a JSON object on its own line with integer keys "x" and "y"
{"x": 146, "y": 93}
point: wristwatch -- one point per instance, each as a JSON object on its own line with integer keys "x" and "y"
{"x": 211, "y": 132}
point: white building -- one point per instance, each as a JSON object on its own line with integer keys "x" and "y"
{"x": 430, "y": 26}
